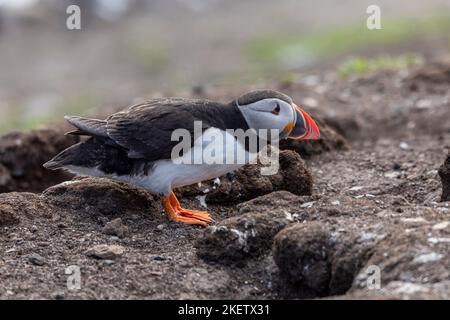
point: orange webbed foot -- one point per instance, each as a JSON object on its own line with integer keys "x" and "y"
{"x": 176, "y": 213}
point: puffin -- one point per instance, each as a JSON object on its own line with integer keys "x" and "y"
{"x": 136, "y": 145}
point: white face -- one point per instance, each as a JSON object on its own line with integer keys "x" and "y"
{"x": 269, "y": 114}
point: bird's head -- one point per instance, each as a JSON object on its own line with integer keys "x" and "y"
{"x": 268, "y": 109}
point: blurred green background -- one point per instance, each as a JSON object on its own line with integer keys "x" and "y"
{"x": 130, "y": 50}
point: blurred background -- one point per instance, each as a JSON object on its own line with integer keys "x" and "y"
{"x": 130, "y": 50}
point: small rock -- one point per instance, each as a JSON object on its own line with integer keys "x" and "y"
{"x": 160, "y": 227}
{"x": 424, "y": 104}
{"x": 441, "y": 225}
{"x": 159, "y": 258}
{"x": 396, "y": 166}
{"x": 409, "y": 288}
{"x": 108, "y": 263}
{"x": 392, "y": 175}
{"x": 116, "y": 228}
{"x": 61, "y": 225}
{"x": 307, "y": 204}
{"x": 414, "y": 220}
{"x": 436, "y": 240}
{"x": 36, "y": 259}
{"x": 202, "y": 200}
{"x": 428, "y": 257}
{"x": 404, "y": 146}
{"x": 107, "y": 252}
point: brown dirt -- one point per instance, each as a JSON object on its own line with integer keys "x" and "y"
{"x": 23, "y": 154}
{"x": 375, "y": 202}
{"x": 444, "y": 173}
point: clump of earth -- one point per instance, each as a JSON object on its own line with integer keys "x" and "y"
{"x": 362, "y": 213}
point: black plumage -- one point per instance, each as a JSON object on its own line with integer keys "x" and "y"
{"x": 130, "y": 140}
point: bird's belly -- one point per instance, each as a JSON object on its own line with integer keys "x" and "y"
{"x": 166, "y": 175}
{"x": 190, "y": 174}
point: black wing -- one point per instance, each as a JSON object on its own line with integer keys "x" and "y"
{"x": 145, "y": 130}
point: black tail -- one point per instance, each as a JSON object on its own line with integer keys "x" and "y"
{"x": 84, "y": 153}
{"x": 75, "y": 155}
{"x": 93, "y": 153}
{"x": 87, "y": 127}
{"x": 99, "y": 151}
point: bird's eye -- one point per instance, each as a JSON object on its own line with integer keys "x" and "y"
{"x": 276, "y": 110}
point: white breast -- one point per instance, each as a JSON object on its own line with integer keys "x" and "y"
{"x": 167, "y": 175}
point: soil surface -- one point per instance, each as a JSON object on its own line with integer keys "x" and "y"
{"x": 363, "y": 213}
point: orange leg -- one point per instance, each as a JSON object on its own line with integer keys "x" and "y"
{"x": 176, "y": 213}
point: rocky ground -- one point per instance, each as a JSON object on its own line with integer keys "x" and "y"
{"x": 363, "y": 213}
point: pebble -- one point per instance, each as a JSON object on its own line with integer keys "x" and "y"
{"x": 107, "y": 252}
{"x": 441, "y": 225}
{"x": 108, "y": 262}
{"x": 413, "y": 220}
{"x": 116, "y": 228}
{"x": 356, "y": 188}
{"x": 428, "y": 257}
{"x": 404, "y": 146}
{"x": 423, "y": 104}
{"x": 158, "y": 258}
{"x": 307, "y": 204}
{"x": 202, "y": 200}
{"x": 36, "y": 259}
{"x": 392, "y": 175}
{"x": 409, "y": 288}
{"x": 434, "y": 240}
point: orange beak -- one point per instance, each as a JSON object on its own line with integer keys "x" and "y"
{"x": 304, "y": 127}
